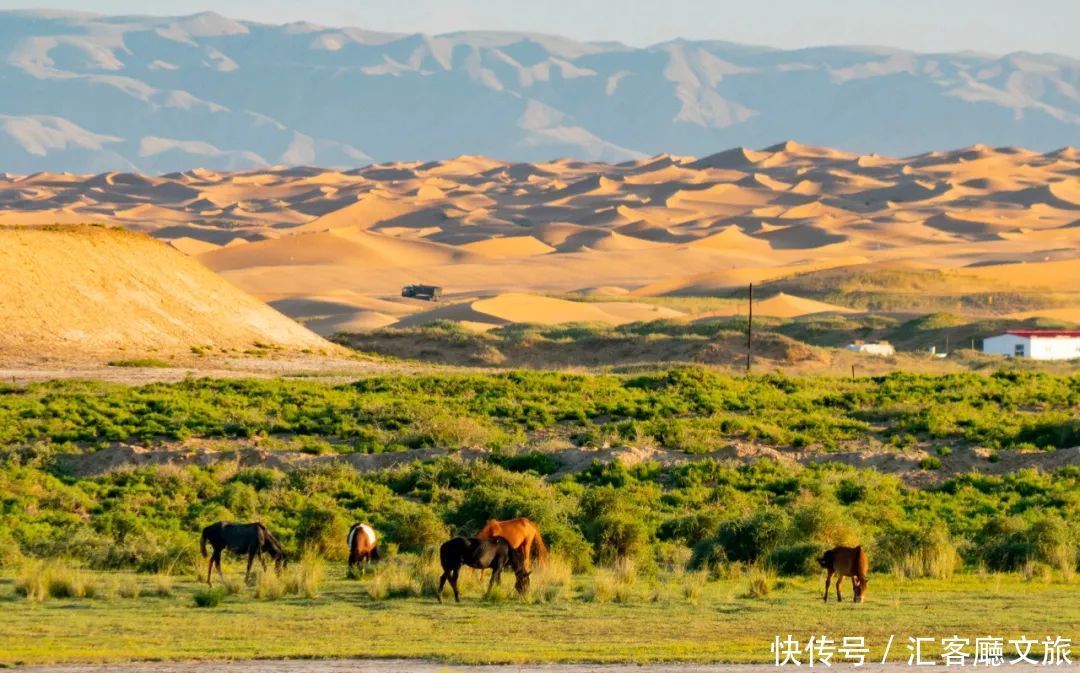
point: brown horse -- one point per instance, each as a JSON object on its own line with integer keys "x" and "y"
{"x": 846, "y": 562}
{"x": 252, "y": 539}
{"x": 521, "y": 533}
{"x": 363, "y": 546}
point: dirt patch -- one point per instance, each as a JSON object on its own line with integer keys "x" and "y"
{"x": 248, "y": 453}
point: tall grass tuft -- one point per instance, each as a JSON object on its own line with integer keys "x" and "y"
{"x": 268, "y": 586}
{"x": 163, "y": 585}
{"x": 41, "y": 580}
{"x": 916, "y": 552}
{"x": 693, "y": 584}
{"x": 614, "y": 584}
{"x": 550, "y": 581}
{"x": 761, "y": 583}
{"x": 304, "y": 578}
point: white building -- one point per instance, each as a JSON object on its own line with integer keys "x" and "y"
{"x": 1035, "y": 344}
{"x": 882, "y": 348}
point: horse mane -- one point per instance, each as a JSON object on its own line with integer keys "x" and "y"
{"x": 274, "y": 547}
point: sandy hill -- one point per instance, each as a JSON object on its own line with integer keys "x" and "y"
{"x": 323, "y": 244}
{"x": 529, "y": 308}
{"x": 85, "y": 291}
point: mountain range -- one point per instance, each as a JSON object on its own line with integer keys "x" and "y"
{"x": 88, "y": 93}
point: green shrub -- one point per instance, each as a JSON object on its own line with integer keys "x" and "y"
{"x": 917, "y": 551}
{"x": 930, "y": 463}
{"x": 796, "y": 559}
{"x": 208, "y": 598}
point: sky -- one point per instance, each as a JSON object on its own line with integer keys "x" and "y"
{"x": 992, "y": 26}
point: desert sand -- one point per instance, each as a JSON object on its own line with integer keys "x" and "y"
{"x": 89, "y": 291}
{"x": 332, "y": 248}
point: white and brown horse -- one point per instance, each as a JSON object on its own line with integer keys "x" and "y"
{"x": 363, "y": 546}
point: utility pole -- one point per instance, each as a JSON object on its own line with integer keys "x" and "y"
{"x": 750, "y": 329}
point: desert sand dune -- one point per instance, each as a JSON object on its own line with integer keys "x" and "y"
{"x": 333, "y": 247}
{"x": 112, "y": 292}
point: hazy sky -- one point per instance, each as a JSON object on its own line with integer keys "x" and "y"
{"x": 994, "y": 26}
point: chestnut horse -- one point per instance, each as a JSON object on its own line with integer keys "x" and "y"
{"x": 363, "y": 546}
{"x": 845, "y": 562}
{"x": 520, "y": 533}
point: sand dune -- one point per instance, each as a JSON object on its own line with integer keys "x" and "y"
{"x": 655, "y": 226}
{"x": 509, "y": 246}
{"x": 529, "y": 308}
{"x": 114, "y": 292}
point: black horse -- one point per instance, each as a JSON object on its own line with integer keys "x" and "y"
{"x": 495, "y": 553}
{"x": 240, "y": 538}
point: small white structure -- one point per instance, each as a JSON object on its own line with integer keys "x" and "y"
{"x": 1036, "y": 344}
{"x": 880, "y": 348}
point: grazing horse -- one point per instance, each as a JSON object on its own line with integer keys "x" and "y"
{"x": 495, "y": 553}
{"x": 240, "y": 538}
{"x": 521, "y": 533}
{"x": 845, "y": 562}
{"x": 363, "y": 546}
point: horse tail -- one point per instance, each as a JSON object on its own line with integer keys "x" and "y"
{"x": 541, "y": 548}
{"x": 202, "y": 541}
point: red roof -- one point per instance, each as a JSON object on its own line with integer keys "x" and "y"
{"x": 1051, "y": 333}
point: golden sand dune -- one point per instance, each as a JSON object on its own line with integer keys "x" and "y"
{"x": 509, "y": 246}
{"x": 788, "y": 306}
{"x": 529, "y": 308}
{"x": 661, "y": 225}
{"x": 83, "y": 291}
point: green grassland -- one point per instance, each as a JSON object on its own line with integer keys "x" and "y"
{"x": 656, "y": 623}
{"x": 702, "y": 560}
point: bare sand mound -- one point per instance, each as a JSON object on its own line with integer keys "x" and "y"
{"x": 529, "y": 308}
{"x": 509, "y": 246}
{"x": 732, "y": 239}
{"x": 789, "y": 306}
{"x": 83, "y": 291}
{"x": 340, "y": 247}
{"x": 368, "y": 211}
{"x": 192, "y": 246}
{"x": 513, "y": 307}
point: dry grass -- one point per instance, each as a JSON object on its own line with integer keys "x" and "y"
{"x": 305, "y": 577}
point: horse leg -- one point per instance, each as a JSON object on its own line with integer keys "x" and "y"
{"x": 442, "y": 583}
{"x": 839, "y": 580}
{"x": 828, "y": 578}
{"x": 209, "y": 570}
{"x": 527, "y": 548}
{"x": 453, "y": 584}
{"x": 251, "y": 559}
{"x": 262, "y": 560}
{"x": 216, "y": 560}
{"x": 856, "y": 588}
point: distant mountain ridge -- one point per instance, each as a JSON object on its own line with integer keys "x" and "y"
{"x": 87, "y": 93}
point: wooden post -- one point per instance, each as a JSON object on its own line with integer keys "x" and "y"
{"x": 852, "y": 372}
{"x": 750, "y": 329}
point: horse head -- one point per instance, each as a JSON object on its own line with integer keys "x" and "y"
{"x": 521, "y": 583}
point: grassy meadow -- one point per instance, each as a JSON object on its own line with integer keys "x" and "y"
{"x": 669, "y": 618}
{"x": 703, "y": 560}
